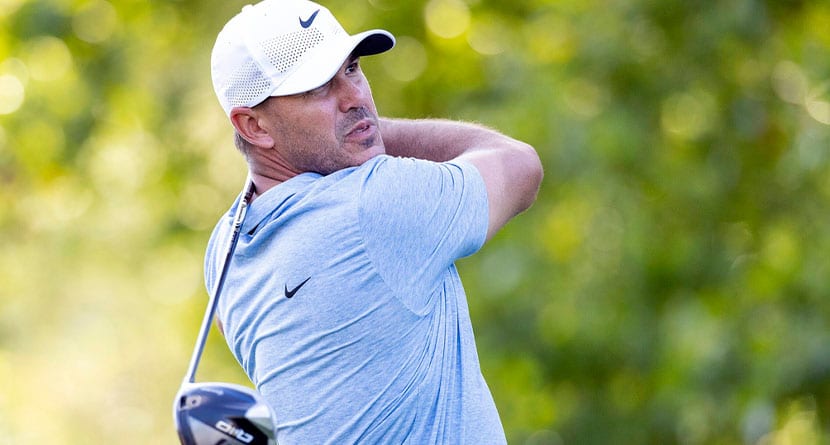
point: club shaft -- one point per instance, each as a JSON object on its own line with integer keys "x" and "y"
{"x": 239, "y": 218}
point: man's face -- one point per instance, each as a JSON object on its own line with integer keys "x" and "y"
{"x": 329, "y": 128}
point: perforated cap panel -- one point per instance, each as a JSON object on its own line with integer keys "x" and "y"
{"x": 286, "y": 50}
{"x": 246, "y": 84}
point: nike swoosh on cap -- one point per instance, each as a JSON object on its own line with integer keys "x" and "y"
{"x": 306, "y": 23}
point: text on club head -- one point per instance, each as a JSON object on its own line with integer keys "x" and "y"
{"x": 237, "y": 433}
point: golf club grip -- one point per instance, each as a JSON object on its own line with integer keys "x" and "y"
{"x": 239, "y": 218}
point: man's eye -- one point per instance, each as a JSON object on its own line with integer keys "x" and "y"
{"x": 354, "y": 66}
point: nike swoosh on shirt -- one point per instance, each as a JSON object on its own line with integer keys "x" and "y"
{"x": 306, "y": 23}
{"x": 290, "y": 293}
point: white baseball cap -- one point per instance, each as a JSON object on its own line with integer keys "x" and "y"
{"x": 283, "y": 47}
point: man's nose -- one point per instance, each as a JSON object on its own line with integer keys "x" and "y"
{"x": 351, "y": 94}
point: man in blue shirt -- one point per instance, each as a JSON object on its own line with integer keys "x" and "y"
{"x": 342, "y": 302}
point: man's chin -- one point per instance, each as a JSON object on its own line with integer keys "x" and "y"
{"x": 369, "y": 153}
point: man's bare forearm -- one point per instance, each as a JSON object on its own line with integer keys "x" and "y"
{"x": 440, "y": 140}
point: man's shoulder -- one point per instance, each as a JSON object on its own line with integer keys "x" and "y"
{"x": 398, "y": 168}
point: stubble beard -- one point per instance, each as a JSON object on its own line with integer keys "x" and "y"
{"x": 346, "y": 124}
{"x": 319, "y": 154}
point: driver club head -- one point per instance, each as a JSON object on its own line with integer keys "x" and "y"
{"x": 222, "y": 413}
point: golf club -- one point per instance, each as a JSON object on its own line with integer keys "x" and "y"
{"x": 221, "y": 413}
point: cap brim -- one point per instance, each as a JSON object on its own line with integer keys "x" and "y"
{"x": 373, "y": 42}
{"x": 322, "y": 63}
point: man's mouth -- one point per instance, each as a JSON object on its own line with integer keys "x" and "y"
{"x": 361, "y": 130}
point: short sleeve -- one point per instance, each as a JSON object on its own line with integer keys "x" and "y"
{"x": 417, "y": 218}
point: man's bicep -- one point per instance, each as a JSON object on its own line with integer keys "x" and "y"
{"x": 418, "y": 217}
{"x": 511, "y": 178}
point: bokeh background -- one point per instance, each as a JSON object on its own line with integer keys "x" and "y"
{"x": 670, "y": 286}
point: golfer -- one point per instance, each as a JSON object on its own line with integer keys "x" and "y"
{"x": 342, "y": 302}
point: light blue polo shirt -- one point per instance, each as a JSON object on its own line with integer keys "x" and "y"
{"x": 344, "y": 307}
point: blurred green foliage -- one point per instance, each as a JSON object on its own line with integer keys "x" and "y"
{"x": 670, "y": 286}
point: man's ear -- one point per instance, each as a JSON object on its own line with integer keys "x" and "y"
{"x": 245, "y": 121}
